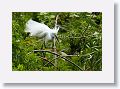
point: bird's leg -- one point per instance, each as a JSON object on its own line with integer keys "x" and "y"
{"x": 45, "y": 48}
{"x": 42, "y": 48}
{"x": 52, "y": 45}
{"x": 44, "y": 44}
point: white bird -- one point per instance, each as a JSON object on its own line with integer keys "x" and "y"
{"x": 41, "y": 30}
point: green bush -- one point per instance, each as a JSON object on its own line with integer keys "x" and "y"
{"x": 81, "y": 34}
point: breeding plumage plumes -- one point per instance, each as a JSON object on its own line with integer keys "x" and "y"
{"x": 41, "y": 30}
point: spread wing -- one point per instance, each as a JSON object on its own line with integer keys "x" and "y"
{"x": 37, "y": 29}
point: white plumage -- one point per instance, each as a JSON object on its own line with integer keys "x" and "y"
{"x": 41, "y": 30}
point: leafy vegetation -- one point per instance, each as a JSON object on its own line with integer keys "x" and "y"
{"x": 80, "y": 37}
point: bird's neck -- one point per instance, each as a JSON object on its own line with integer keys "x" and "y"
{"x": 55, "y": 30}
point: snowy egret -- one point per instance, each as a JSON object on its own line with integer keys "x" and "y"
{"x": 41, "y": 30}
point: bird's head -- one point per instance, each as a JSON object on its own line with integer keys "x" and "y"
{"x": 56, "y": 29}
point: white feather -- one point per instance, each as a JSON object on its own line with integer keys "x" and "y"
{"x": 40, "y": 30}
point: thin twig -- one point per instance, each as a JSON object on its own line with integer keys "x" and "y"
{"x": 47, "y": 61}
{"x": 60, "y": 57}
{"x": 56, "y": 20}
{"x": 54, "y": 47}
{"x": 54, "y": 40}
{"x": 71, "y": 56}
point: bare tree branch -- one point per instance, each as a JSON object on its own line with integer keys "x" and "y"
{"x": 60, "y": 57}
{"x": 56, "y": 20}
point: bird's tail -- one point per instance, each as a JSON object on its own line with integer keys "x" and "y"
{"x": 27, "y": 25}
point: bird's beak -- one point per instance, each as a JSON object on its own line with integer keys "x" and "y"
{"x": 56, "y": 37}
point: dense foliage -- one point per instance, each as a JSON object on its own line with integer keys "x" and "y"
{"x": 81, "y": 34}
